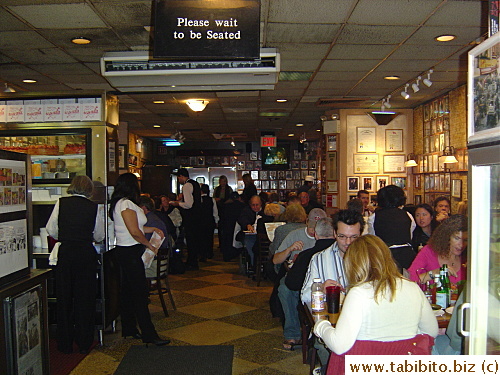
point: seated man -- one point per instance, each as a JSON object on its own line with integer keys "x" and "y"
{"x": 307, "y": 203}
{"x": 288, "y": 291}
{"x": 298, "y": 239}
{"x": 248, "y": 222}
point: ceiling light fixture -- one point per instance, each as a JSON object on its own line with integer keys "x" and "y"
{"x": 156, "y": 126}
{"x": 159, "y": 101}
{"x": 8, "y": 88}
{"x": 281, "y": 100}
{"x": 410, "y": 161}
{"x": 197, "y": 105}
{"x": 392, "y": 78}
{"x": 415, "y": 86}
{"x": 445, "y": 38}
{"x": 299, "y": 125}
{"x": 232, "y": 142}
{"x": 427, "y": 81}
{"x": 291, "y": 135}
{"x": 404, "y": 93}
{"x": 449, "y": 155}
{"x": 29, "y": 80}
{"x": 318, "y": 130}
{"x": 387, "y": 104}
{"x": 80, "y": 40}
{"x": 303, "y": 138}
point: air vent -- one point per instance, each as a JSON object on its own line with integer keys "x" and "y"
{"x": 295, "y": 76}
{"x": 336, "y": 101}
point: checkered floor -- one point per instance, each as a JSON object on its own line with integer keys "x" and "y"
{"x": 215, "y": 305}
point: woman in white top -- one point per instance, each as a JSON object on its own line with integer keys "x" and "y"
{"x": 129, "y": 220}
{"x": 381, "y": 305}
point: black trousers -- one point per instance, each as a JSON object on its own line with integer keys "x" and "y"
{"x": 193, "y": 242}
{"x": 76, "y": 291}
{"x": 134, "y": 293}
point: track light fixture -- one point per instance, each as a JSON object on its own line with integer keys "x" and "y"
{"x": 415, "y": 86}
{"x": 404, "y": 93}
{"x": 427, "y": 81}
{"x": 232, "y": 142}
{"x": 382, "y": 107}
{"x": 387, "y": 104}
{"x": 8, "y": 88}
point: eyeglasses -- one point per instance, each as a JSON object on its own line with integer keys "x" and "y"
{"x": 343, "y": 237}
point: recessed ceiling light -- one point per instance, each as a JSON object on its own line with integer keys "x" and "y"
{"x": 156, "y": 126}
{"x": 391, "y": 77}
{"x": 445, "y": 38}
{"x": 299, "y": 125}
{"x": 159, "y": 101}
{"x": 173, "y": 86}
{"x": 80, "y": 40}
{"x": 281, "y": 100}
{"x": 318, "y": 130}
{"x": 29, "y": 80}
{"x": 291, "y": 135}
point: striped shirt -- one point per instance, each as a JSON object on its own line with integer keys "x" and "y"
{"x": 327, "y": 264}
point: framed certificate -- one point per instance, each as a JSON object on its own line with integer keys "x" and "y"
{"x": 366, "y": 163}
{"x": 394, "y": 163}
{"x": 332, "y": 186}
{"x": 366, "y": 140}
{"x": 331, "y": 166}
{"x": 394, "y": 140}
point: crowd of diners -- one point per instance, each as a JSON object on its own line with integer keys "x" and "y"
{"x": 375, "y": 252}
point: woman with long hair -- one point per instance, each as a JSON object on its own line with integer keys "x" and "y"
{"x": 426, "y": 223}
{"x": 75, "y": 222}
{"x": 446, "y": 246}
{"x": 129, "y": 220}
{"x": 377, "y": 293}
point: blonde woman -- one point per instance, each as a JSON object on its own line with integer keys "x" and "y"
{"x": 381, "y": 311}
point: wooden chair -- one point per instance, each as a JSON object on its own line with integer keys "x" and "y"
{"x": 262, "y": 255}
{"x": 309, "y": 352}
{"x": 162, "y": 267}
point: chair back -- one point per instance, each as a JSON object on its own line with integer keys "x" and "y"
{"x": 163, "y": 259}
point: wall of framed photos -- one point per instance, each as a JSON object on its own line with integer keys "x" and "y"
{"x": 438, "y": 124}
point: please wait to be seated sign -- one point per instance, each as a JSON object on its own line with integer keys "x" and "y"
{"x": 202, "y": 30}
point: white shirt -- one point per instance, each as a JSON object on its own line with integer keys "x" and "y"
{"x": 123, "y": 236}
{"x": 187, "y": 193}
{"x": 327, "y": 264}
{"x": 53, "y": 226}
{"x": 363, "y": 319}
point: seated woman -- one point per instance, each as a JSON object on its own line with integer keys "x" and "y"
{"x": 446, "y": 246}
{"x": 377, "y": 294}
{"x": 424, "y": 218}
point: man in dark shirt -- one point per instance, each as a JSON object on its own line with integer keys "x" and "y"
{"x": 307, "y": 203}
{"x": 308, "y": 184}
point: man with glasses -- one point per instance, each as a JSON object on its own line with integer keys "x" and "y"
{"x": 328, "y": 265}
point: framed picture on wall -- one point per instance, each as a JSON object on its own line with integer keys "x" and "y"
{"x": 368, "y": 183}
{"x": 331, "y": 166}
{"x": 399, "y": 181}
{"x": 265, "y": 185}
{"x": 456, "y": 189}
{"x": 366, "y": 163}
{"x": 353, "y": 183}
{"x": 417, "y": 200}
{"x": 417, "y": 181}
{"x": 332, "y": 186}
{"x": 381, "y": 181}
{"x": 122, "y": 151}
{"x": 394, "y": 140}
{"x": 254, "y": 175}
{"x": 304, "y": 164}
{"x": 295, "y": 164}
{"x": 312, "y": 173}
{"x": 249, "y": 165}
{"x": 253, "y": 155}
{"x": 394, "y": 163}
{"x": 241, "y": 165}
{"x": 366, "y": 139}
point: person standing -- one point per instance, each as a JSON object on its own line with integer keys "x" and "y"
{"x": 129, "y": 220}
{"x": 190, "y": 206}
{"x": 221, "y": 194}
{"x": 250, "y": 189}
{"x": 75, "y": 223}
{"x": 210, "y": 218}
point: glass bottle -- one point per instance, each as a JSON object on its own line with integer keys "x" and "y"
{"x": 317, "y": 296}
{"x": 442, "y": 291}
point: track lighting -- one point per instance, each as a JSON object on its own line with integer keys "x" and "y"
{"x": 232, "y": 142}
{"x": 382, "y": 107}
{"x": 404, "y": 93}
{"x": 427, "y": 81}
{"x": 8, "y": 88}
{"x": 415, "y": 86}
{"x": 387, "y": 104}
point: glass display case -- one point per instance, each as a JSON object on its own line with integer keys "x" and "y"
{"x": 56, "y": 156}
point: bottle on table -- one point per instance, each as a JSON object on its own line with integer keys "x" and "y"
{"x": 428, "y": 292}
{"x": 443, "y": 290}
{"x": 317, "y": 296}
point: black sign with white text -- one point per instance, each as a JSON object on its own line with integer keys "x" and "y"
{"x": 202, "y": 30}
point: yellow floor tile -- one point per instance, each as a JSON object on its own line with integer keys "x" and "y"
{"x": 215, "y": 309}
{"x": 219, "y": 291}
{"x": 208, "y": 333}
{"x": 240, "y": 366}
{"x": 223, "y": 278}
{"x": 96, "y": 363}
{"x": 293, "y": 365}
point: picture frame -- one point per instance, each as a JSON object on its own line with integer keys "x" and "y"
{"x": 265, "y": 185}
{"x": 353, "y": 183}
{"x": 366, "y": 139}
{"x": 263, "y": 175}
{"x": 253, "y": 155}
{"x": 417, "y": 199}
{"x": 313, "y": 173}
{"x": 482, "y": 61}
{"x": 312, "y": 164}
{"x": 200, "y": 161}
{"x": 394, "y": 163}
{"x": 418, "y": 181}
{"x": 367, "y": 183}
{"x": 122, "y": 151}
{"x": 366, "y": 163}
{"x": 297, "y": 155}
{"x": 224, "y": 160}
{"x": 331, "y": 141}
{"x": 249, "y": 165}
{"x": 254, "y": 175}
{"x": 381, "y": 182}
{"x": 394, "y": 140}
{"x": 304, "y": 164}
{"x": 332, "y": 186}
{"x": 332, "y": 200}
{"x": 241, "y": 165}
{"x": 295, "y": 164}
{"x": 399, "y": 181}
{"x": 331, "y": 166}
{"x": 456, "y": 188}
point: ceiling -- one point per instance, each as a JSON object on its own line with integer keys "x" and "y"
{"x": 348, "y": 46}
